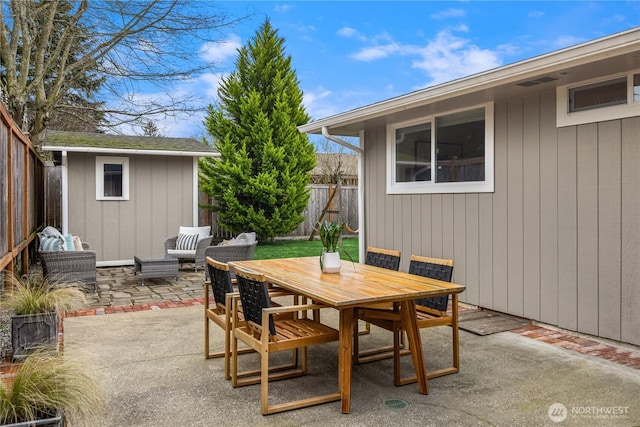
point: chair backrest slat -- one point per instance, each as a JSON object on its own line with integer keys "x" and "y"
{"x": 254, "y": 296}
{"x": 220, "y": 276}
{"x": 434, "y": 268}
{"x": 383, "y": 258}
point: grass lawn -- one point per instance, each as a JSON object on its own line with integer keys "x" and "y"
{"x": 301, "y": 248}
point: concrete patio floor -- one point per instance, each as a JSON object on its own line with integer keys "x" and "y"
{"x": 151, "y": 366}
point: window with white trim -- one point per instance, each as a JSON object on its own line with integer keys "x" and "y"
{"x": 609, "y": 98}
{"x": 112, "y": 178}
{"x": 450, "y": 152}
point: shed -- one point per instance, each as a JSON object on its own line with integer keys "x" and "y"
{"x": 125, "y": 195}
{"x": 527, "y": 176}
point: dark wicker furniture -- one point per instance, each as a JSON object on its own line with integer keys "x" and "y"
{"x": 155, "y": 268}
{"x": 70, "y": 266}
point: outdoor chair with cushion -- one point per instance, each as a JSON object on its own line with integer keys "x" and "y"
{"x": 431, "y": 312}
{"x": 65, "y": 259}
{"x": 189, "y": 245}
{"x": 266, "y": 333}
{"x": 239, "y": 249}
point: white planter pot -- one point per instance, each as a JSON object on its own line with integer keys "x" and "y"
{"x": 331, "y": 262}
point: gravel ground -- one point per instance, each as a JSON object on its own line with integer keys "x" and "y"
{"x": 5, "y": 334}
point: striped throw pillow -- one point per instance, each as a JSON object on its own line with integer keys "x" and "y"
{"x": 51, "y": 243}
{"x": 68, "y": 243}
{"x": 186, "y": 242}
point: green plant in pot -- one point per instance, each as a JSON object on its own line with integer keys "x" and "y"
{"x": 46, "y": 389}
{"x": 331, "y": 237}
{"x": 35, "y": 303}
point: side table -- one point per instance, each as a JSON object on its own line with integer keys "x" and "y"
{"x": 153, "y": 268}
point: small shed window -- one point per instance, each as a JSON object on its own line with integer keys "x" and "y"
{"x": 447, "y": 153}
{"x": 112, "y": 178}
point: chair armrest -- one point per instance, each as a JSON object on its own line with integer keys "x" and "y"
{"x": 170, "y": 243}
{"x": 201, "y": 247}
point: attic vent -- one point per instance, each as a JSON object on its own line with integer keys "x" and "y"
{"x": 537, "y": 81}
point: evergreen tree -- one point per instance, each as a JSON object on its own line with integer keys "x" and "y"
{"x": 260, "y": 181}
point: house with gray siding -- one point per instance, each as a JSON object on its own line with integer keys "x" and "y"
{"x": 125, "y": 195}
{"x": 527, "y": 176}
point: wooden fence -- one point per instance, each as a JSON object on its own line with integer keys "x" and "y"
{"x": 345, "y": 206}
{"x": 21, "y": 196}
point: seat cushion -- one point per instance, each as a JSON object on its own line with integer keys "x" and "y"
{"x": 181, "y": 253}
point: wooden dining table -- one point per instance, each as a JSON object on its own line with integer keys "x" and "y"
{"x": 358, "y": 285}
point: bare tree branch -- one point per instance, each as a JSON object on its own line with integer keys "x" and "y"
{"x": 49, "y": 47}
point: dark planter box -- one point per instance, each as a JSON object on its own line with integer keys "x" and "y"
{"x": 31, "y": 331}
{"x": 44, "y": 422}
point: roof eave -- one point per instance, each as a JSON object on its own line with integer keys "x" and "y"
{"x": 131, "y": 151}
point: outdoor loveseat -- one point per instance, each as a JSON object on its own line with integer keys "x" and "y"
{"x": 65, "y": 262}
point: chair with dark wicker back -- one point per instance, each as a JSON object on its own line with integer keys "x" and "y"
{"x": 220, "y": 313}
{"x": 431, "y": 312}
{"x": 266, "y": 334}
{"x": 223, "y": 292}
{"x": 384, "y": 258}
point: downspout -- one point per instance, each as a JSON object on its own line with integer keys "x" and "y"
{"x": 359, "y": 151}
{"x": 65, "y": 193}
{"x": 196, "y": 193}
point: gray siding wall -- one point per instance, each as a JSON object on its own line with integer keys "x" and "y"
{"x": 559, "y": 239}
{"x": 160, "y": 201}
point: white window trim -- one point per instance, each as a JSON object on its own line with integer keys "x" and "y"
{"x": 422, "y": 187}
{"x": 598, "y": 114}
{"x": 100, "y": 162}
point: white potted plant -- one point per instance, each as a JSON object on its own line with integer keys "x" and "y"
{"x": 331, "y": 237}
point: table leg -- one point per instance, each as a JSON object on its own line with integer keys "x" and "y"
{"x": 410, "y": 325}
{"x": 347, "y": 317}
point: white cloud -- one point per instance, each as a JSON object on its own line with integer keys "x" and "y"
{"x": 369, "y": 54}
{"x": 448, "y": 57}
{"x": 351, "y": 33}
{"x": 449, "y": 13}
{"x": 283, "y": 7}
{"x": 536, "y": 14}
{"x": 221, "y": 51}
{"x": 208, "y": 84}
{"x": 317, "y": 102}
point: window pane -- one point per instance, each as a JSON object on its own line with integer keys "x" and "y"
{"x": 636, "y": 88}
{"x": 113, "y": 180}
{"x": 413, "y": 153}
{"x": 603, "y": 94}
{"x": 460, "y": 146}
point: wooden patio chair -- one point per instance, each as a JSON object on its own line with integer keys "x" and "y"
{"x": 266, "y": 334}
{"x": 384, "y": 258}
{"x": 431, "y": 312}
{"x": 220, "y": 313}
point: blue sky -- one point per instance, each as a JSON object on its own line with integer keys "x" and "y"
{"x": 354, "y": 53}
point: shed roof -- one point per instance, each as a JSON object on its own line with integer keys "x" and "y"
{"x": 125, "y": 144}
